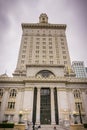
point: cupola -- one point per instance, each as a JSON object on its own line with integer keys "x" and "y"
{"x": 43, "y": 18}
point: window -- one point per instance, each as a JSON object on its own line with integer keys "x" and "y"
{"x": 23, "y": 56}
{"x": 45, "y": 73}
{"x": 65, "y": 62}
{"x": 24, "y": 51}
{"x": 1, "y": 92}
{"x": 24, "y": 47}
{"x": 37, "y": 47}
{"x": 50, "y": 52}
{"x": 62, "y": 43}
{"x": 37, "y": 51}
{"x": 64, "y": 57}
{"x": 44, "y": 47}
{"x": 37, "y": 38}
{"x": 51, "y": 62}
{"x": 44, "y": 56}
{"x": 37, "y": 56}
{"x": 62, "y": 39}
{"x": 43, "y": 39}
{"x": 22, "y": 61}
{"x": 63, "y": 47}
{"x": 78, "y": 101}
{"x": 77, "y": 105}
{"x": 51, "y": 57}
{"x": 44, "y": 51}
{"x": 44, "y": 61}
{"x": 77, "y": 94}
{"x": 13, "y": 93}
{"x": 37, "y": 61}
{"x": 37, "y": 43}
{"x": 50, "y": 47}
{"x": 50, "y": 39}
{"x": 44, "y": 43}
{"x": 11, "y": 105}
{"x": 64, "y": 52}
{"x": 50, "y": 43}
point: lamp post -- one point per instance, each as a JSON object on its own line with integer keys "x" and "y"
{"x": 20, "y": 116}
{"x": 75, "y": 115}
{"x": 80, "y": 113}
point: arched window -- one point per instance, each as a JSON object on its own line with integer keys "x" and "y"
{"x": 45, "y": 73}
{"x": 13, "y": 93}
{"x": 1, "y": 92}
{"x": 77, "y": 94}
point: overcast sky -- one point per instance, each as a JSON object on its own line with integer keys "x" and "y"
{"x": 14, "y": 12}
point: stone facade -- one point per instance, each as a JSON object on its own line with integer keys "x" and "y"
{"x": 43, "y": 89}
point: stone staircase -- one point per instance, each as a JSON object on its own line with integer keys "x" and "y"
{"x": 51, "y": 127}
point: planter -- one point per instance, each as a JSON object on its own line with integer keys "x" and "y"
{"x": 77, "y": 127}
{"x": 20, "y": 126}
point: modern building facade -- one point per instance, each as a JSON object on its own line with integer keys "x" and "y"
{"x": 79, "y": 69}
{"x": 43, "y": 88}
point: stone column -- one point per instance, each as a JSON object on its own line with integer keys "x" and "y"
{"x": 52, "y": 107}
{"x": 38, "y": 107}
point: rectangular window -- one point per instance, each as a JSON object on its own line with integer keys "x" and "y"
{"x": 51, "y": 52}
{"x": 24, "y": 51}
{"x": 50, "y": 43}
{"x": 37, "y": 47}
{"x": 37, "y": 38}
{"x": 63, "y": 47}
{"x": 37, "y": 61}
{"x": 23, "y": 56}
{"x": 43, "y": 39}
{"x": 65, "y": 62}
{"x": 50, "y": 47}
{"x": 64, "y": 52}
{"x": 64, "y": 57}
{"x": 44, "y": 43}
{"x": 62, "y": 43}
{"x": 22, "y": 61}
{"x": 51, "y": 62}
{"x": 37, "y": 51}
{"x": 37, "y": 56}
{"x": 44, "y": 51}
{"x": 50, "y": 39}
{"x": 24, "y": 47}
{"x": 44, "y": 47}
{"x": 37, "y": 43}
{"x": 11, "y": 105}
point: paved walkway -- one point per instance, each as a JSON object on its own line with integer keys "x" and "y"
{"x": 52, "y": 127}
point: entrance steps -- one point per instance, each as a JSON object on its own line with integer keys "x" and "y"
{"x": 53, "y": 127}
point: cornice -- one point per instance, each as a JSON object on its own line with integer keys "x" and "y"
{"x": 23, "y": 80}
{"x": 43, "y": 25}
{"x": 46, "y": 65}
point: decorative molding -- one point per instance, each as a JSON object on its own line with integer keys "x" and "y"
{"x": 43, "y": 25}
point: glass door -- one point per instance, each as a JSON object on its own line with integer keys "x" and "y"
{"x": 45, "y": 108}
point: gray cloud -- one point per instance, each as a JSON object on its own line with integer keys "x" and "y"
{"x": 14, "y": 12}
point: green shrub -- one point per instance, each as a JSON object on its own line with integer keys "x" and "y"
{"x": 6, "y": 125}
{"x": 85, "y": 125}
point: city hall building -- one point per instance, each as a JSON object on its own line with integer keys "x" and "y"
{"x": 44, "y": 89}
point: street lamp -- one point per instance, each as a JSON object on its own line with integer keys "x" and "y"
{"x": 79, "y": 113}
{"x": 20, "y": 116}
{"x": 75, "y": 115}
